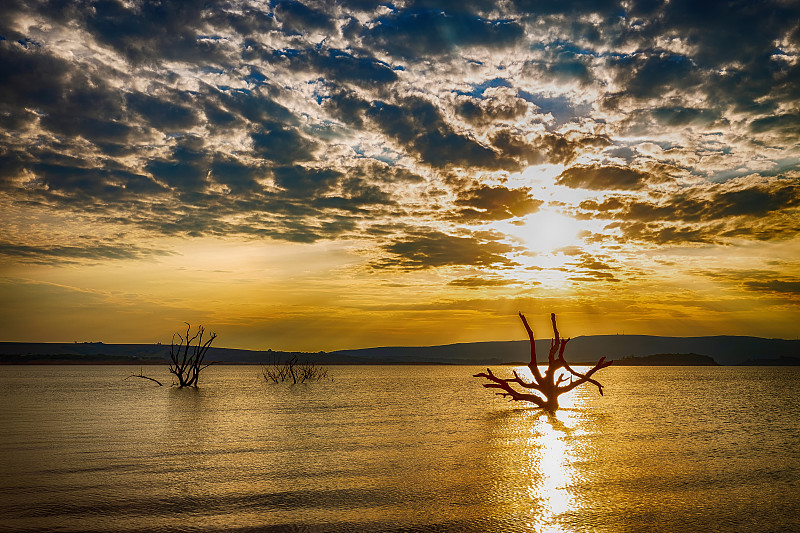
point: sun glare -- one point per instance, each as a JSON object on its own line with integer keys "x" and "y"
{"x": 551, "y": 473}
{"x": 548, "y": 230}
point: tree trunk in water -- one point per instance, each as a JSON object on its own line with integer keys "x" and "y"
{"x": 546, "y": 385}
{"x": 188, "y": 360}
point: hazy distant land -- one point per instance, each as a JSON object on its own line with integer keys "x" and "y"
{"x": 624, "y": 349}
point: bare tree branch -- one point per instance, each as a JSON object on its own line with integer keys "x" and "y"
{"x": 187, "y": 360}
{"x": 547, "y": 385}
{"x": 140, "y": 375}
{"x": 533, "y": 365}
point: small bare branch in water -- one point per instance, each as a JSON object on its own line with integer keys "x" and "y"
{"x": 140, "y": 375}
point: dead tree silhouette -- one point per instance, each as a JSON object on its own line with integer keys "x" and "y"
{"x": 188, "y": 359}
{"x": 546, "y": 385}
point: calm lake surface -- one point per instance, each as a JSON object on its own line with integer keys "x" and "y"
{"x": 398, "y": 448}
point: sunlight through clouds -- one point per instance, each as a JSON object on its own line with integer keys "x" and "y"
{"x": 478, "y": 157}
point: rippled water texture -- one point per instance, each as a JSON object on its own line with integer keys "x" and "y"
{"x": 398, "y": 448}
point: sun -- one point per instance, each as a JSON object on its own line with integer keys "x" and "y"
{"x": 548, "y": 230}
{"x": 551, "y": 228}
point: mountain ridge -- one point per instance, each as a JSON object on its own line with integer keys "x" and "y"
{"x": 724, "y": 349}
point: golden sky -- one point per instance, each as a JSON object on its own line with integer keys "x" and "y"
{"x": 346, "y": 174}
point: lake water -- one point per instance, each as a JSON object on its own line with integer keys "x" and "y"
{"x": 398, "y": 448}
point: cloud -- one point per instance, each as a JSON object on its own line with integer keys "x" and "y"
{"x": 654, "y": 74}
{"x": 332, "y": 64}
{"x": 768, "y": 281}
{"x": 150, "y": 32}
{"x": 712, "y": 214}
{"x": 296, "y": 16}
{"x": 492, "y": 106}
{"x": 484, "y": 203}
{"x": 702, "y": 204}
{"x": 281, "y": 144}
{"x": 606, "y": 177}
{"x": 173, "y": 113}
{"x": 306, "y": 121}
{"x": 92, "y": 251}
{"x": 304, "y": 181}
{"x": 429, "y": 32}
{"x": 779, "y": 286}
{"x": 562, "y": 63}
{"x": 418, "y": 125}
{"x": 239, "y": 177}
{"x": 787, "y": 124}
{"x": 478, "y": 282}
{"x": 422, "y": 250}
{"x": 185, "y": 168}
{"x": 555, "y": 148}
{"x": 591, "y": 268}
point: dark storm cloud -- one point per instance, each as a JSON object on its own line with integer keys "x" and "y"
{"x": 304, "y": 181}
{"x": 152, "y": 31}
{"x": 186, "y": 168}
{"x": 654, "y": 73}
{"x": 722, "y": 32}
{"x": 590, "y": 268}
{"x": 562, "y": 62}
{"x": 640, "y": 121}
{"x": 788, "y": 287}
{"x": 548, "y": 148}
{"x": 256, "y": 105}
{"x": 91, "y": 251}
{"x": 702, "y": 205}
{"x": 383, "y": 172}
{"x": 429, "y": 32}
{"x": 347, "y": 106}
{"x": 486, "y": 203}
{"x": 244, "y": 20}
{"x": 606, "y": 177}
{"x": 172, "y": 113}
{"x": 282, "y": 145}
{"x": 239, "y": 177}
{"x": 71, "y": 180}
{"x": 787, "y": 124}
{"x": 733, "y": 51}
{"x": 483, "y": 110}
{"x": 758, "y": 280}
{"x": 706, "y": 215}
{"x": 422, "y": 250}
{"x": 297, "y": 16}
{"x": 419, "y": 126}
{"x": 70, "y": 102}
{"x": 359, "y": 191}
{"x": 333, "y": 64}
{"x": 478, "y": 282}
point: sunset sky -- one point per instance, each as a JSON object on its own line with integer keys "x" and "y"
{"x": 326, "y": 175}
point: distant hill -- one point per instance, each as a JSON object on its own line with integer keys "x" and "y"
{"x": 725, "y": 350}
{"x": 667, "y": 359}
{"x": 100, "y": 353}
{"x": 780, "y": 361}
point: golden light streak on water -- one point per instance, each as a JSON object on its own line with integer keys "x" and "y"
{"x": 418, "y": 449}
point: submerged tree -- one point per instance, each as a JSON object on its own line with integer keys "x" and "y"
{"x": 547, "y": 388}
{"x": 188, "y": 359}
{"x": 294, "y": 369}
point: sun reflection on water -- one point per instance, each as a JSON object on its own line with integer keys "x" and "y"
{"x": 551, "y": 473}
{"x": 541, "y": 479}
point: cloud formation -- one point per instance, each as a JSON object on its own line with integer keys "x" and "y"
{"x": 302, "y": 122}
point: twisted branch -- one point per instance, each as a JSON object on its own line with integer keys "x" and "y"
{"x": 547, "y": 385}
